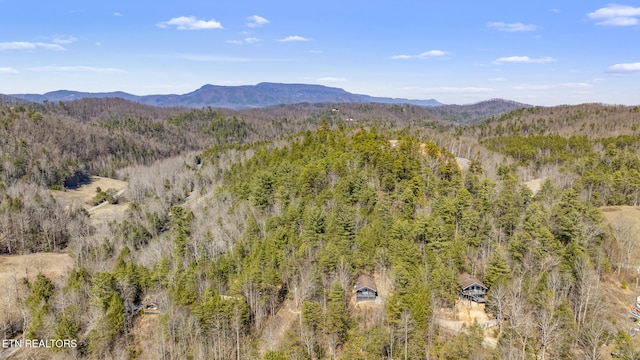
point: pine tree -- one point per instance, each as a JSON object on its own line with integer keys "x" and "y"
{"x": 337, "y": 320}
{"x": 67, "y": 325}
{"x": 498, "y": 270}
{"x": 567, "y": 218}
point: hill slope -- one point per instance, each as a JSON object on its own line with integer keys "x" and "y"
{"x": 243, "y": 242}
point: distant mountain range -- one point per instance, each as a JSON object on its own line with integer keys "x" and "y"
{"x": 11, "y": 99}
{"x": 235, "y": 97}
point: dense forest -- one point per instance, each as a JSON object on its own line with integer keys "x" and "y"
{"x": 240, "y": 234}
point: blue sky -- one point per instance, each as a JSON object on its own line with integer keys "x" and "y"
{"x": 542, "y": 53}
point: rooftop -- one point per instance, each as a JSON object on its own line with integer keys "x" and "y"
{"x": 365, "y": 281}
{"x": 465, "y": 280}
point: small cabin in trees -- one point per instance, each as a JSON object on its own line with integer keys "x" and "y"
{"x": 472, "y": 289}
{"x": 365, "y": 288}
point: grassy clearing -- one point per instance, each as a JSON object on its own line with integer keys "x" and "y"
{"x": 15, "y": 268}
{"x": 83, "y": 195}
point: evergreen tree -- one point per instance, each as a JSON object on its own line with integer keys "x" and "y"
{"x": 498, "y": 270}
{"x": 337, "y": 318}
{"x": 567, "y": 218}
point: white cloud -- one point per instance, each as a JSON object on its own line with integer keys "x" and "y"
{"x": 190, "y": 23}
{"x": 625, "y": 68}
{"x": 249, "y": 40}
{"x": 432, "y": 53}
{"x": 117, "y": 13}
{"x": 23, "y": 45}
{"x": 254, "y": 21}
{"x": 424, "y": 55}
{"x": 616, "y": 15}
{"x": 523, "y": 60}
{"x": 76, "y": 69}
{"x": 619, "y": 21}
{"x": 65, "y": 39}
{"x": 512, "y": 27}
{"x": 8, "y": 70}
{"x": 293, "y": 38}
{"x": 497, "y": 79}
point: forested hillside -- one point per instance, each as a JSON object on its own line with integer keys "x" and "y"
{"x": 244, "y": 232}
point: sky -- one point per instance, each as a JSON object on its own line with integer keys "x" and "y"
{"x": 457, "y": 52}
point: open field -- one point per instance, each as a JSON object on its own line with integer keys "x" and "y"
{"x": 618, "y": 213}
{"x": 18, "y": 267}
{"x": 85, "y": 193}
{"x": 82, "y": 197}
{"x": 625, "y": 224}
{"x": 15, "y": 268}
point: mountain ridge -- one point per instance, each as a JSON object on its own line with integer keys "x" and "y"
{"x": 235, "y": 97}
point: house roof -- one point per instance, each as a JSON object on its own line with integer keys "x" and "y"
{"x": 365, "y": 281}
{"x": 465, "y": 280}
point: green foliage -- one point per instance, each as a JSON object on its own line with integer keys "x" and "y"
{"x": 114, "y": 316}
{"x": 214, "y": 124}
{"x": 312, "y": 314}
{"x": 216, "y": 313}
{"x": 130, "y": 233}
{"x": 78, "y": 278}
{"x": 110, "y": 325}
{"x": 294, "y": 347}
{"x": 498, "y": 270}
{"x": 139, "y": 125}
{"x": 465, "y": 345}
{"x": 181, "y": 227}
{"x": 567, "y": 215}
{"x": 300, "y": 220}
{"x": 68, "y": 326}
{"x": 262, "y": 190}
{"x": 609, "y": 176}
{"x": 275, "y": 355}
{"x": 367, "y": 344}
{"x": 103, "y": 285}
{"x": 37, "y": 302}
{"x": 40, "y": 292}
{"x": 102, "y": 196}
{"x": 337, "y": 319}
{"x": 420, "y": 305}
{"x": 540, "y": 149}
{"x": 625, "y": 349}
{"x": 509, "y": 205}
{"x": 185, "y": 286}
